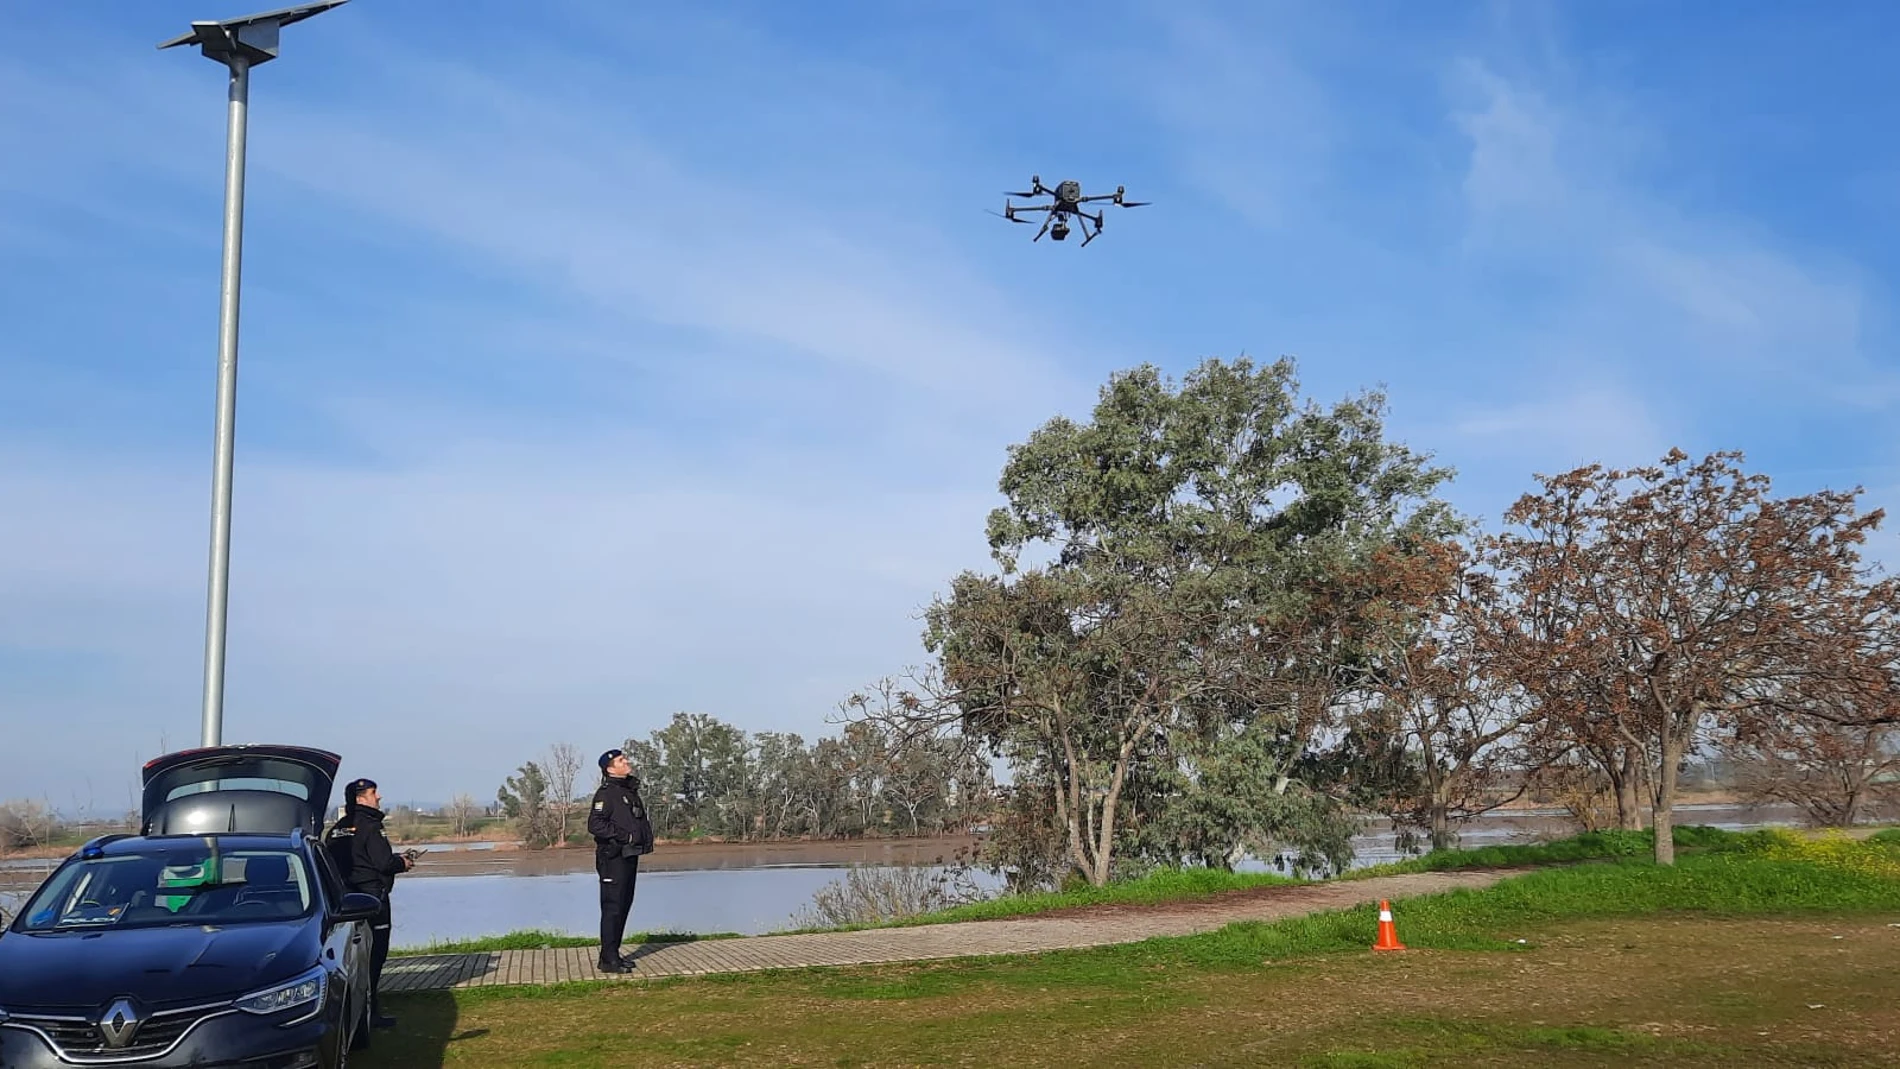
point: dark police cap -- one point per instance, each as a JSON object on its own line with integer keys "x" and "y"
{"x": 608, "y": 758}
{"x": 358, "y": 786}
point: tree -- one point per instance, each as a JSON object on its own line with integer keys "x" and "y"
{"x": 461, "y": 812}
{"x": 26, "y": 823}
{"x": 691, "y": 769}
{"x": 564, "y": 764}
{"x": 915, "y": 777}
{"x": 1825, "y": 734}
{"x": 1189, "y": 531}
{"x": 784, "y": 774}
{"x": 1660, "y": 602}
{"x": 1831, "y": 770}
{"x": 1441, "y": 695}
{"x": 524, "y": 801}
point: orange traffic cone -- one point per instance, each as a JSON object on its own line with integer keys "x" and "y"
{"x": 1388, "y": 935}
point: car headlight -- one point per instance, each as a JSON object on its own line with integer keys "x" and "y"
{"x": 303, "y": 990}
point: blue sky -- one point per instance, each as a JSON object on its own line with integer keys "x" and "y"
{"x": 606, "y": 360}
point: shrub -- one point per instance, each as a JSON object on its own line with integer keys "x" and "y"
{"x": 875, "y": 895}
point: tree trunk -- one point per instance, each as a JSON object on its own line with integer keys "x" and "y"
{"x": 1628, "y": 776}
{"x": 1105, "y": 831}
{"x": 1441, "y": 828}
{"x": 1664, "y": 820}
{"x": 1439, "y": 817}
{"x": 1850, "y": 806}
{"x": 1234, "y": 856}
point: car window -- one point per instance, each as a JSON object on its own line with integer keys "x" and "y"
{"x": 240, "y": 783}
{"x": 195, "y": 883}
{"x": 328, "y": 876}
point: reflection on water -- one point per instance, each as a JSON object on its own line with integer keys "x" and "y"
{"x": 457, "y": 894}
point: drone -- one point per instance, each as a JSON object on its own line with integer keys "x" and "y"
{"x": 1068, "y": 201}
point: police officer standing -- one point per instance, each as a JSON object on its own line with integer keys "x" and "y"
{"x": 618, "y": 822}
{"x": 362, "y": 854}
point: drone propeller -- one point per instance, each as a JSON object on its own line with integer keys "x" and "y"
{"x": 1011, "y": 218}
{"x": 1007, "y": 193}
{"x": 1134, "y": 203}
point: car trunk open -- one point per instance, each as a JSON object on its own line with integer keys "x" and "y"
{"x": 251, "y": 788}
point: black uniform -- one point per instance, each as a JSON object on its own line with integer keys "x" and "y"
{"x": 362, "y": 854}
{"x": 618, "y": 822}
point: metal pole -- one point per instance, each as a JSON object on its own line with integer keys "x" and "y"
{"x": 218, "y": 595}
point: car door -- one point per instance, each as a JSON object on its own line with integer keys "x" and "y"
{"x": 346, "y": 944}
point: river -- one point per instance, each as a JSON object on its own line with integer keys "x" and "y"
{"x": 470, "y": 890}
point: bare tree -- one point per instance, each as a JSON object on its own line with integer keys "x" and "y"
{"x": 1832, "y": 771}
{"x": 26, "y": 824}
{"x": 564, "y": 764}
{"x": 1664, "y": 601}
{"x": 1577, "y": 784}
{"x": 461, "y": 811}
{"x": 1456, "y": 712}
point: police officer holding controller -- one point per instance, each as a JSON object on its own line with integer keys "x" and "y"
{"x": 367, "y": 864}
{"x": 618, "y": 822}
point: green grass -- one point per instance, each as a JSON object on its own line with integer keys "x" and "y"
{"x": 1418, "y": 1041}
{"x": 1590, "y": 846}
{"x": 1890, "y": 836}
{"x": 1577, "y": 941}
{"x": 533, "y": 939}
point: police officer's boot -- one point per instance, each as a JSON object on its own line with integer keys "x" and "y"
{"x": 377, "y": 1018}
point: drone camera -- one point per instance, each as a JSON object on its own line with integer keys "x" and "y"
{"x": 1059, "y": 231}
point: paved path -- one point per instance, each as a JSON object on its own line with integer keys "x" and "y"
{"x": 1080, "y": 927}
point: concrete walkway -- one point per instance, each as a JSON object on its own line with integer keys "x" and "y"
{"x": 1079, "y": 927}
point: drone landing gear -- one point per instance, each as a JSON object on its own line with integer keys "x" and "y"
{"x": 1087, "y": 236}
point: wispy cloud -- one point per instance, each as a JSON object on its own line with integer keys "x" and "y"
{"x": 669, "y": 362}
{"x": 1695, "y": 298}
{"x": 1252, "y": 126}
{"x": 789, "y": 431}
{"x": 1588, "y": 425}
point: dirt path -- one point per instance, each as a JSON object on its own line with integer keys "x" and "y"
{"x": 1060, "y": 930}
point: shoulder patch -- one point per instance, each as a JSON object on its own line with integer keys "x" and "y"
{"x": 600, "y": 805}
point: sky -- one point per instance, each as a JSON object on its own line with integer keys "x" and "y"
{"x": 601, "y": 361}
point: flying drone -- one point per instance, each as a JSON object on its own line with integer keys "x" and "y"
{"x": 1068, "y": 201}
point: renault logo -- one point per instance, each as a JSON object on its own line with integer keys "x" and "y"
{"x": 119, "y": 1023}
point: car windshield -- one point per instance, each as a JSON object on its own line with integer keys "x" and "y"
{"x": 191, "y": 881}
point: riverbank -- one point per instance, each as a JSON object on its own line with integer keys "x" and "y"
{"x": 1523, "y": 814}
{"x": 1759, "y": 949}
